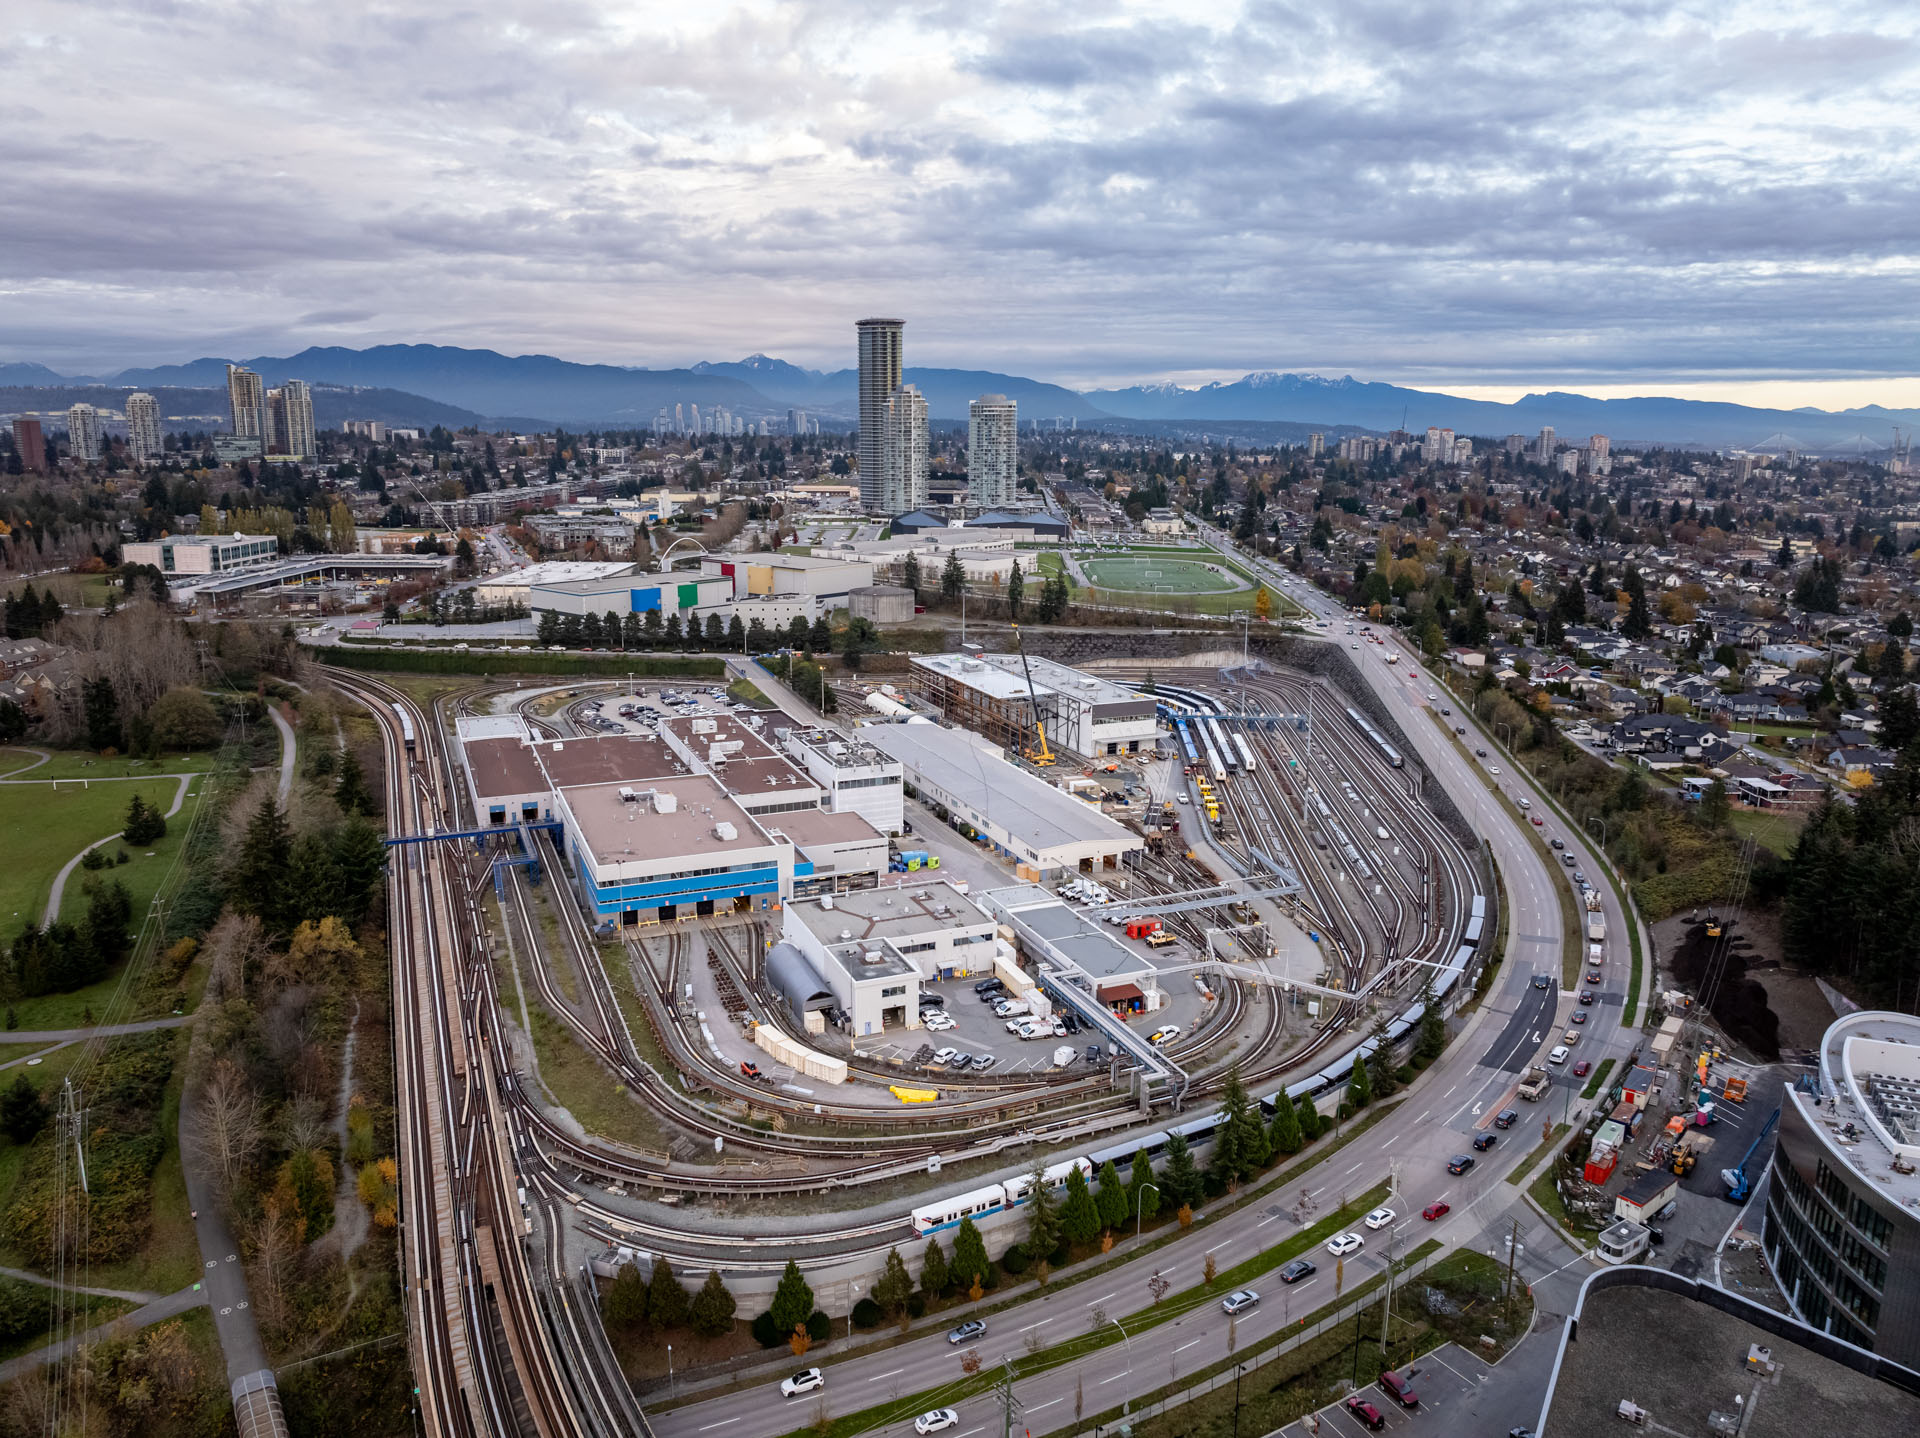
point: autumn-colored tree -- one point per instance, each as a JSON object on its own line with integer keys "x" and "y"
{"x": 379, "y": 1188}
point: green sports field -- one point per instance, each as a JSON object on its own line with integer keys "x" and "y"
{"x": 1151, "y": 574}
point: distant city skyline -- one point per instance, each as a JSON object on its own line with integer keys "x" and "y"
{"x": 1593, "y": 197}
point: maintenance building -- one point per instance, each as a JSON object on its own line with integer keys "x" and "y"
{"x": 855, "y": 777}
{"x": 1085, "y": 715}
{"x": 1043, "y": 830}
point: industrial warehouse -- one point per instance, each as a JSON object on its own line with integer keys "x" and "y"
{"x": 998, "y": 695}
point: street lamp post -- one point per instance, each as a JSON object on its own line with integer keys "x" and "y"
{"x": 669, "y": 1368}
{"x": 1128, "y": 1344}
{"x": 1596, "y": 819}
{"x": 1139, "y": 1198}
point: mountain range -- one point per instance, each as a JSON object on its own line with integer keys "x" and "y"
{"x": 526, "y": 391}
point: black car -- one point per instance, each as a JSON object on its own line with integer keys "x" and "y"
{"x": 1541, "y": 981}
{"x": 1300, "y": 1268}
{"x": 1506, "y": 1118}
{"x": 1093, "y": 1053}
{"x": 1072, "y": 1021}
{"x": 1480, "y": 753}
{"x": 988, "y": 986}
{"x": 1483, "y": 1142}
{"x": 1460, "y": 1163}
{"x": 932, "y": 1001}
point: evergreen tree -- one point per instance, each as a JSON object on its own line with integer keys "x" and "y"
{"x": 1016, "y": 591}
{"x": 257, "y": 882}
{"x": 667, "y": 1303}
{"x": 359, "y": 863}
{"x": 102, "y": 713}
{"x": 547, "y": 631}
{"x": 895, "y": 1286}
{"x": 1311, "y": 1124}
{"x": 969, "y": 1256}
{"x": 910, "y": 574}
{"x": 933, "y": 1269}
{"x": 23, "y": 1113}
{"x": 1143, "y": 1194}
{"x": 953, "y": 579}
{"x": 1043, "y": 1213}
{"x": 1079, "y": 1215}
{"x": 713, "y": 1307}
{"x": 1112, "y": 1196}
{"x": 792, "y": 1301}
{"x": 1240, "y": 1147}
{"x": 145, "y": 824}
{"x": 1432, "y": 1034}
{"x": 1359, "y": 1087}
{"x": 625, "y": 1304}
{"x": 350, "y": 792}
{"x": 820, "y": 637}
{"x": 1283, "y": 1135}
{"x": 1180, "y": 1183}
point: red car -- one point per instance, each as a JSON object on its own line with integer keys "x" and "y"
{"x": 1367, "y": 1415}
{"x": 1583, "y": 1068}
{"x": 1538, "y": 822}
{"x": 1435, "y": 1210}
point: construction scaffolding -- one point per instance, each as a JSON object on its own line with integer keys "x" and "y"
{"x": 992, "y": 703}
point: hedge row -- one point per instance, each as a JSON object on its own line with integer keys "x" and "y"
{"x": 442, "y": 661}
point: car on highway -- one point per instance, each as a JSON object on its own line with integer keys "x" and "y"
{"x": 1495, "y": 769}
{"x": 1436, "y": 1209}
{"x": 805, "y": 1381}
{"x": 1538, "y": 822}
{"x": 1593, "y": 976}
{"x": 1460, "y": 1163}
{"x": 1578, "y": 1016}
{"x": 1446, "y": 711}
{"x": 1506, "y": 1118}
{"x": 1558, "y": 843}
{"x": 1480, "y": 753}
{"x": 1164, "y": 1036}
{"x": 1583, "y": 1068}
{"x": 1580, "y": 878}
{"x": 1239, "y": 1301}
{"x": 1354, "y": 647}
{"x": 1300, "y": 1268}
{"x": 1341, "y": 1244}
{"x": 1567, "y": 859}
{"x": 1586, "y": 996}
{"x": 936, "y": 1420}
{"x": 1570, "y": 1037}
{"x": 1380, "y": 1218}
{"x": 1460, "y": 729}
{"x": 1559, "y": 1055}
{"x": 1541, "y": 981}
{"x": 973, "y": 1328}
{"x": 1365, "y": 1414}
{"x": 1484, "y": 1141}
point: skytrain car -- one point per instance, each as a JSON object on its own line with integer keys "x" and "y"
{"x": 947, "y": 1212}
{"x": 1055, "y": 1174}
{"x": 406, "y": 731}
{"x": 1246, "y": 752}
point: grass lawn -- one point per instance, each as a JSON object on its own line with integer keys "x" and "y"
{"x": 1776, "y": 829}
{"x": 747, "y": 693}
{"x": 1599, "y": 1079}
{"x": 1145, "y": 575}
{"x": 1558, "y": 1135}
{"x": 81, "y": 764}
{"x": 41, "y": 827}
{"x": 1545, "y": 1191}
{"x": 142, "y": 876}
{"x": 1050, "y": 564}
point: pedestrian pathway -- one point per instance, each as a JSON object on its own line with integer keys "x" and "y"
{"x": 171, "y": 1306}
{"x": 66, "y": 872}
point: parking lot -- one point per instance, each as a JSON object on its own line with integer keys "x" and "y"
{"x": 976, "y": 1030}
{"x": 1446, "y": 1379}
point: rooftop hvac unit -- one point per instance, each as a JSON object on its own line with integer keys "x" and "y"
{"x": 627, "y": 796}
{"x": 826, "y": 901}
{"x": 845, "y": 934}
{"x": 664, "y": 803}
{"x": 873, "y": 956}
{"x": 725, "y": 832}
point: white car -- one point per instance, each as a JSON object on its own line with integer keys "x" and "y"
{"x": 945, "y": 1056}
{"x": 1558, "y": 1056}
{"x": 1493, "y": 768}
{"x": 936, "y": 1023}
{"x": 1164, "y": 1036}
{"x": 933, "y": 1422}
{"x": 1239, "y": 1302}
{"x": 805, "y": 1381}
{"x": 1340, "y": 1245}
{"x": 1184, "y": 799}
{"x": 1380, "y": 1218}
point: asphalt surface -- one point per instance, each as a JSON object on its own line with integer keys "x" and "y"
{"x": 1456, "y": 1098}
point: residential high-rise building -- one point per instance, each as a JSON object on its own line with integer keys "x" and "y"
{"x": 1601, "y": 448}
{"x": 143, "y": 428}
{"x": 903, "y": 457}
{"x": 796, "y": 421}
{"x": 881, "y": 363}
{"x": 83, "y": 431}
{"x": 247, "y": 405}
{"x": 1545, "y": 445}
{"x": 31, "y": 445}
{"x": 294, "y": 419}
{"x": 1316, "y": 445}
{"x": 1516, "y": 445}
{"x": 993, "y": 451}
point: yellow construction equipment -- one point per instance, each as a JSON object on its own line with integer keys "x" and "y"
{"x": 1042, "y": 755}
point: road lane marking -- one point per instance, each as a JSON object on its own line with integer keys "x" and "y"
{"x": 1095, "y": 1302}
{"x": 1031, "y": 1326}
{"x": 1396, "y": 1138}
{"x": 1117, "y": 1377}
{"x": 1185, "y": 1346}
{"x": 1048, "y": 1404}
{"x": 890, "y": 1373}
{"x": 721, "y": 1424}
{"x": 1355, "y": 1166}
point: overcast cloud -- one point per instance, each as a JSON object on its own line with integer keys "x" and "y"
{"x": 1487, "y": 194}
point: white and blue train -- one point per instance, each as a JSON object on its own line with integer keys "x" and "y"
{"x": 994, "y": 1198}
{"x": 1246, "y": 752}
{"x": 1387, "y": 751}
{"x": 1336, "y": 1074}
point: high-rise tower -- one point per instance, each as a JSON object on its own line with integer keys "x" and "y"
{"x": 143, "y": 428}
{"x": 880, "y": 369}
{"x": 247, "y": 404}
{"x": 903, "y": 458}
{"x": 993, "y": 451}
{"x": 295, "y": 419}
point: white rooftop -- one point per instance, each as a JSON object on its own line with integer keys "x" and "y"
{"x": 1869, "y": 1108}
{"x": 557, "y": 571}
{"x": 977, "y": 673}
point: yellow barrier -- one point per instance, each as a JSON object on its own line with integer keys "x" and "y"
{"x": 915, "y": 1095}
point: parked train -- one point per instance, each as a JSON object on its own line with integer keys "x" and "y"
{"x": 1247, "y": 761}
{"x": 1332, "y": 1076}
{"x": 1387, "y": 751}
{"x": 406, "y": 729}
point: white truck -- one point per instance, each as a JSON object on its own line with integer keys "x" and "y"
{"x": 1597, "y": 929}
{"x": 1593, "y": 901}
{"x": 1534, "y": 1085}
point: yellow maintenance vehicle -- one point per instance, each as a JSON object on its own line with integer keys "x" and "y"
{"x": 1042, "y": 754}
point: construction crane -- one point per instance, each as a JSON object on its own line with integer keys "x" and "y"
{"x": 1042, "y": 755}
{"x": 1736, "y": 1180}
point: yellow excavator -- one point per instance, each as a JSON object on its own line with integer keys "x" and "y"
{"x": 1043, "y": 754}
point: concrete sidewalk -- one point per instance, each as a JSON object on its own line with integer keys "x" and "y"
{"x": 171, "y": 1306}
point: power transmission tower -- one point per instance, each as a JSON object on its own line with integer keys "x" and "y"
{"x": 1009, "y": 1405}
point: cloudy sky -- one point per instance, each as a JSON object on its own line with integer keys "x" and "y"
{"x": 1624, "y": 198}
